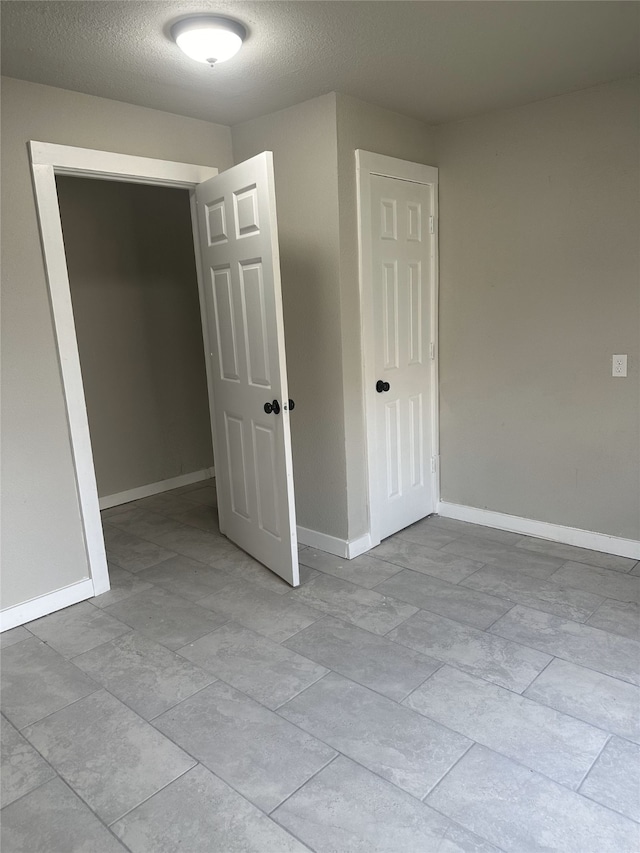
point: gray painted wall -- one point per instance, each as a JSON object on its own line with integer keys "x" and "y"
{"x": 303, "y": 141}
{"x": 539, "y": 286}
{"x": 43, "y": 546}
{"x": 135, "y": 301}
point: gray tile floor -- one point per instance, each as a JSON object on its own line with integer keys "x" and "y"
{"x": 457, "y": 689}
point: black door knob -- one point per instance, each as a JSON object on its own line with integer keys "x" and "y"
{"x": 291, "y": 406}
{"x": 382, "y": 386}
{"x": 272, "y": 407}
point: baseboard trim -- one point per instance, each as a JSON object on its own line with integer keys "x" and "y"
{"x": 543, "y": 529}
{"x": 333, "y": 545}
{"x": 11, "y": 617}
{"x": 323, "y": 542}
{"x": 359, "y": 546}
{"x": 155, "y": 488}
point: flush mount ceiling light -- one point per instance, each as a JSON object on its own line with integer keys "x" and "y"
{"x": 209, "y": 38}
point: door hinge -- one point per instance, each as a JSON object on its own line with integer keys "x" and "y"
{"x": 432, "y": 225}
{"x": 434, "y": 464}
{"x": 432, "y": 350}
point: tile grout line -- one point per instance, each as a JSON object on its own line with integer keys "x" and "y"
{"x": 568, "y": 660}
{"x": 566, "y": 713}
{"x": 177, "y": 704}
{"x": 300, "y": 729}
{"x": 422, "y": 683}
{"x": 611, "y": 809}
{"x": 55, "y": 776}
{"x": 517, "y": 760}
{"x": 144, "y": 721}
{"x": 548, "y": 779}
{"x": 579, "y": 548}
{"x": 355, "y": 760}
{"x": 529, "y": 698}
{"x": 93, "y": 648}
{"x": 333, "y": 758}
{"x": 444, "y": 775}
{"x": 176, "y": 744}
{"x": 401, "y": 567}
{"x": 479, "y": 630}
{"x": 176, "y": 553}
{"x": 93, "y": 811}
{"x": 400, "y": 646}
{"x": 229, "y": 784}
{"x": 51, "y": 713}
{"x": 462, "y": 584}
{"x": 61, "y": 778}
{"x": 593, "y": 763}
{"x": 466, "y": 828}
{"x": 146, "y": 799}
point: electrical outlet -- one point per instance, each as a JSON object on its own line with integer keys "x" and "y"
{"x": 619, "y": 366}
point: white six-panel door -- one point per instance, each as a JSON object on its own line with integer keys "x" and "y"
{"x": 244, "y": 327}
{"x": 401, "y": 270}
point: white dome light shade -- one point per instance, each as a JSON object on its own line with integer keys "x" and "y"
{"x": 209, "y": 39}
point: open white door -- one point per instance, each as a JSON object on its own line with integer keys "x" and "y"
{"x": 236, "y": 214}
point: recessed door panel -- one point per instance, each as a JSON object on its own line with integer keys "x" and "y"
{"x": 416, "y": 441}
{"x": 265, "y": 462}
{"x": 393, "y": 450}
{"x": 255, "y": 323}
{"x": 414, "y": 305}
{"x": 388, "y": 219}
{"x": 225, "y": 324}
{"x": 390, "y": 315}
{"x": 216, "y": 220}
{"x": 237, "y": 463}
{"x": 244, "y": 324}
{"x": 414, "y": 221}
{"x": 245, "y": 203}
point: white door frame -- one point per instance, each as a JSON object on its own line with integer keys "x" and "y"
{"x": 47, "y": 161}
{"x": 369, "y": 164}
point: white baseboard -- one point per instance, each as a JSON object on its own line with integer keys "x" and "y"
{"x": 358, "y": 546}
{"x": 11, "y": 617}
{"x": 323, "y": 542}
{"x": 543, "y": 529}
{"x": 333, "y": 545}
{"x": 155, "y": 488}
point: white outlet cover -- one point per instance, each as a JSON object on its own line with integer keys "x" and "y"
{"x": 619, "y": 366}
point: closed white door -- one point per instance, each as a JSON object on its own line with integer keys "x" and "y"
{"x": 243, "y": 310}
{"x": 401, "y": 270}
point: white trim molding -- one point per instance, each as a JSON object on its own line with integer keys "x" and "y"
{"x": 27, "y": 611}
{"x": 543, "y": 530}
{"x": 332, "y": 545}
{"x": 48, "y": 160}
{"x": 358, "y": 546}
{"x": 91, "y": 163}
{"x": 155, "y": 488}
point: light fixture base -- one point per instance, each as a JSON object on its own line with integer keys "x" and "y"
{"x": 209, "y": 38}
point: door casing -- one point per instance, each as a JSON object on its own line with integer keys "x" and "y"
{"x": 369, "y": 164}
{"x": 47, "y": 161}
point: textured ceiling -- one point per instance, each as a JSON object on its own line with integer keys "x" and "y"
{"x": 436, "y": 61}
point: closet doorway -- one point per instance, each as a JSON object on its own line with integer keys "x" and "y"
{"x": 134, "y": 292}
{"x": 236, "y": 257}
